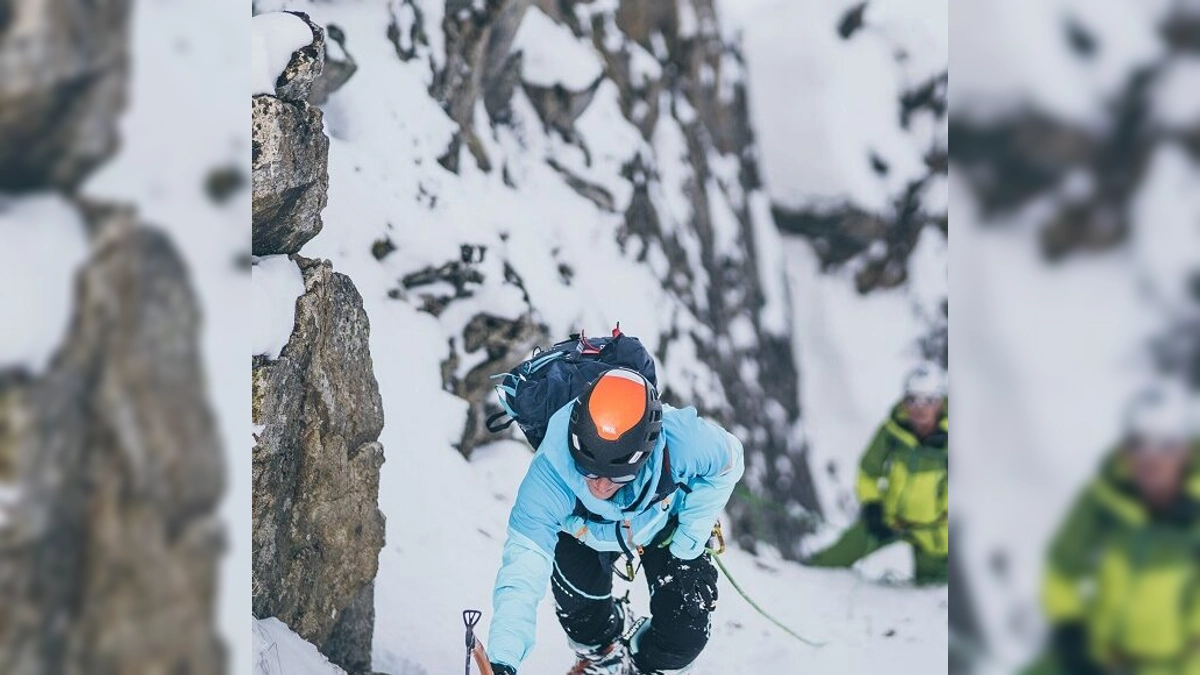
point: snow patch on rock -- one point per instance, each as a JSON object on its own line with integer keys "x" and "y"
{"x": 276, "y": 282}
{"x": 39, "y": 283}
{"x": 274, "y": 37}
{"x": 553, "y": 55}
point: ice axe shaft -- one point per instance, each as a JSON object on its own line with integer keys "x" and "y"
{"x": 474, "y": 645}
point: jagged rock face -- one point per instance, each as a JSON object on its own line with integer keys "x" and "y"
{"x": 110, "y": 563}
{"x": 290, "y": 173}
{"x": 317, "y": 525}
{"x": 307, "y": 64}
{"x": 883, "y": 242}
{"x": 290, "y": 153}
{"x": 759, "y": 391}
{"x": 63, "y": 80}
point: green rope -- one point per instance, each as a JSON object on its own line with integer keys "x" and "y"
{"x": 760, "y": 610}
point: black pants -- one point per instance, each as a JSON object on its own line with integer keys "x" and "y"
{"x": 683, "y": 593}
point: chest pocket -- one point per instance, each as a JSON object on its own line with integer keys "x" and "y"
{"x": 1147, "y": 596}
{"x": 918, "y": 486}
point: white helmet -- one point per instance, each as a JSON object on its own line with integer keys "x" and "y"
{"x": 1164, "y": 412}
{"x": 927, "y": 379}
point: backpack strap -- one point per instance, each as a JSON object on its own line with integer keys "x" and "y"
{"x": 496, "y": 423}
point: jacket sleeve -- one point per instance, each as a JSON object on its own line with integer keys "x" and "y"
{"x": 720, "y": 465}
{"x": 525, "y": 569}
{"x": 871, "y": 468}
{"x": 1072, "y": 557}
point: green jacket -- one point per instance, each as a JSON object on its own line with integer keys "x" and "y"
{"x": 1129, "y": 575}
{"x": 910, "y": 477}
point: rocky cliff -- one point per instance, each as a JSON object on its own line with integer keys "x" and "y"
{"x": 109, "y": 555}
{"x": 317, "y": 528}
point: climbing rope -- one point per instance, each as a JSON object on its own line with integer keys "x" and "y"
{"x": 716, "y": 547}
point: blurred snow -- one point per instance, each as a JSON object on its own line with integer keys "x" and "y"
{"x": 1015, "y": 54}
{"x": 822, "y": 105}
{"x": 1166, "y": 241}
{"x": 39, "y": 283}
{"x": 1176, "y": 104}
{"x": 553, "y": 55}
{"x": 174, "y": 133}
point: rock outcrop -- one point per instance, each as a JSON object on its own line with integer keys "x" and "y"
{"x": 110, "y": 562}
{"x": 63, "y": 80}
{"x": 339, "y": 67}
{"x": 317, "y": 526}
{"x": 290, "y": 155}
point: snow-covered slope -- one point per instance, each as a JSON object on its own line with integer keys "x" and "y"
{"x": 555, "y": 235}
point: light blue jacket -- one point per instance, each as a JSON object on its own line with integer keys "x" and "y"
{"x": 703, "y": 456}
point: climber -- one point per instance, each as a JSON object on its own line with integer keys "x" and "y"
{"x": 903, "y": 481}
{"x": 1119, "y": 589}
{"x": 619, "y": 476}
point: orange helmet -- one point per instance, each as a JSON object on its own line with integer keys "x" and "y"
{"x": 614, "y": 425}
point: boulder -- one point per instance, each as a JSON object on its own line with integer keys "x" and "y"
{"x": 317, "y": 528}
{"x": 64, "y": 75}
{"x": 110, "y": 562}
{"x": 289, "y": 164}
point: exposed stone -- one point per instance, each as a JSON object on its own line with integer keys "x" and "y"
{"x": 317, "y": 528}
{"x": 559, "y": 107}
{"x": 302, "y": 71}
{"x": 64, "y": 70}
{"x": 478, "y": 39}
{"x": 110, "y": 564}
{"x": 506, "y": 343}
{"x": 337, "y": 70}
{"x": 289, "y": 161}
{"x": 14, "y": 418}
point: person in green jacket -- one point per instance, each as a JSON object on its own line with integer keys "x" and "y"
{"x": 903, "y": 483}
{"x": 1121, "y": 589}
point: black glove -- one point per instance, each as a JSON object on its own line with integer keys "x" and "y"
{"x": 501, "y": 669}
{"x": 872, "y": 517}
{"x": 1069, "y": 642}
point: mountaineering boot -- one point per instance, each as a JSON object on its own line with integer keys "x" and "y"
{"x": 610, "y": 659}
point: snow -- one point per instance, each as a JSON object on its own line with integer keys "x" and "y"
{"x": 173, "y": 133}
{"x": 1011, "y": 54}
{"x": 822, "y": 105}
{"x": 8, "y": 497}
{"x": 552, "y": 55}
{"x": 854, "y": 353}
{"x": 279, "y": 651}
{"x": 1048, "y": 355}
{"x": 1175, "y": 104}
{"x": 643, "y": 67}
{"x": 274, "y": 37}
{"x": 276, "y": 283}
{"x": 39, "y": 282}
{"x": 1166, "y": 211}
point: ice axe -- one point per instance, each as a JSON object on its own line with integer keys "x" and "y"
{"x": 474, "y": 646}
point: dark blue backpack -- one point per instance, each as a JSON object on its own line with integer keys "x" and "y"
{"x": 534, "y": 390}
